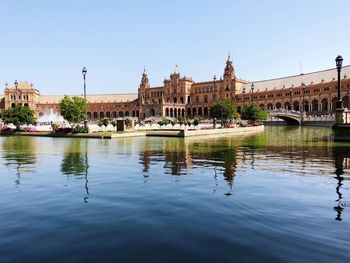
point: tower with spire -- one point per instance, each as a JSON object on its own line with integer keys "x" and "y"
{"x": 143, "y": 88}
{"x": 229, "y": 81}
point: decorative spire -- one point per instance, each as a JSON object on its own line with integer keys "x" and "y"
{"x": 229, "y": 70}
{"x": 144, "y": 80}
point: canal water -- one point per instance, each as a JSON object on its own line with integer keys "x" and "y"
{"x": 282, "y": 195}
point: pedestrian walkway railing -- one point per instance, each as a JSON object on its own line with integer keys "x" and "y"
{"x": 346, "y": 116}
{"x": 284, "y": 111}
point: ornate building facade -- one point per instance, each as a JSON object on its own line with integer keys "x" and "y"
{"x": 181, "y": 96}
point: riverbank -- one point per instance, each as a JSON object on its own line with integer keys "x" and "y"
{"x": 77, "y": 135}
{"x": 206, "y": 132}
{"x": 154, "y": 133}
{"x": 303, "y": 123}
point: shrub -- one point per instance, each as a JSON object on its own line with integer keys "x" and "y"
{"x": 63, "y": 130}
{"x": 54, "y": 126}
{"x": 173, "y": 122}
{"x": 196, "y": 121}
{"x": 128, "y": 122}
{"x": 29, "y": 129}
{"x": 163, "y": 121}
{"x": 80, "y": 129}
{"x": 180, "y": 121}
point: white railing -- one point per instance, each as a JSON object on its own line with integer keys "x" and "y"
{"x": 284, "y": 111}
{"x": 346, "y": 116}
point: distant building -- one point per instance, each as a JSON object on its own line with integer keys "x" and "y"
{"x": 181, "y": 96}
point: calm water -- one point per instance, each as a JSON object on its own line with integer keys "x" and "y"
{"x": 278, "y": 196}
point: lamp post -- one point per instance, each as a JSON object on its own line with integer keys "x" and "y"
{"x": 84, "y": 72}
{"x": 222, "y": 114}
{"x": 243, "y": 92}
{"x": 214, "y": 80}
{"x": 303, "y": 87}
{"x": 290, "y": 95}
{"x": 252, "y": 88}
{"x": 16, "y": 86}
{"x": 339, "y": 62}
{"x": 339, "y": 109}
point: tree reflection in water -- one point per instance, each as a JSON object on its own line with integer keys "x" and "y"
{"x": 19, "y": 153}
{"x": 75, "y": 162}
{"x": 272, "y": 151}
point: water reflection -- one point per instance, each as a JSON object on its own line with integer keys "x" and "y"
{"x": 75, "y": 162}
{"x": 285, "y": 150}
{"x": 341, "y": 160}
{"x": 19, "y": 154}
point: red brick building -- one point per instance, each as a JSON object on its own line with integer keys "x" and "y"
{"x": 182, "y": 96}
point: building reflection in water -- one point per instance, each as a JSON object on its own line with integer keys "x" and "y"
{"x": 303, "y": 152}
{"x": 181, "y": 155}
{"x": 75, "y": 162}
{"x": 19, "y": 154}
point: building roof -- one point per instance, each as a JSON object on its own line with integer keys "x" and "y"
{"x": 22, "y": 85}
{"x": 127, "y": 97}
{"x": 295, "y": 81}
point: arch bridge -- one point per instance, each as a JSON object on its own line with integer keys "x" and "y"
{"x": 292, "y": 117}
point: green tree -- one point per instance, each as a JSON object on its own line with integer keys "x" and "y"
{"x": 254, "y": 113}
{"x": 225, "y": 109}
{"x": 128, "y": 122}
{"x": 181, "y": 121}
{"x": 73, "y": 109}
{"x": 173, "y": 123}
{"x": 105, "y": 123}
{"x": 114, "y": 123}
{"x": 100, "y": 124}
{"x": 196, "y": 121}
{"x": 18, "y": 115}
{"x": 163, "y": 121}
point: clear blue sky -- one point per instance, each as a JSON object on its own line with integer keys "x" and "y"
{"x": 48, "y": 42}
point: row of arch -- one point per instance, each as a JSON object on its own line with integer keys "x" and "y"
{"x": 315, "y": 105}
{"x": 170, "y": 112}
{"x": 14, "y": 104}
{"x": 113, "y": 114}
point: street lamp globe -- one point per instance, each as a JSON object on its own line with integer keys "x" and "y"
{"x": 339, "y": 62}
{"x": 252, "y": 86}
{"x": 16, "y": 84}
{"x": 84, "y": 71}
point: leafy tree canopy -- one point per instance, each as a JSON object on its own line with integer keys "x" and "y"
{"x": 73, "y": 109}
{"x": 225, "y": 109}
{"x": 254, "y": 113}
{"x": 18, "y": 115}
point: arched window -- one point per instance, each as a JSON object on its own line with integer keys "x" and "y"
{"x": 200, "y": 111}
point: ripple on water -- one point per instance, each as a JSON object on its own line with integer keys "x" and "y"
{"x": 261, "y": 198}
